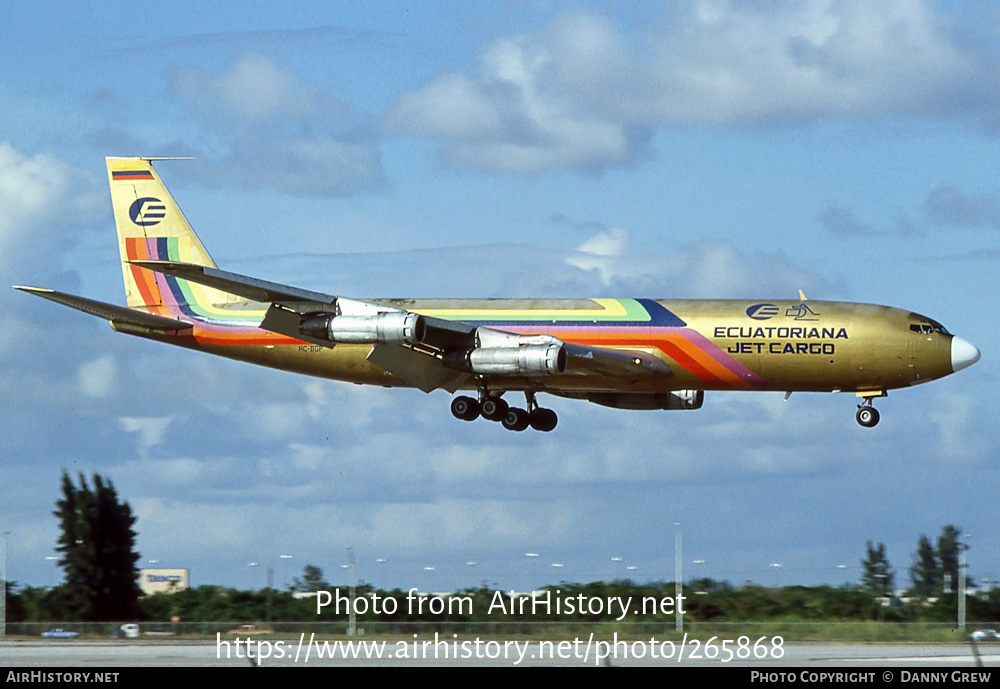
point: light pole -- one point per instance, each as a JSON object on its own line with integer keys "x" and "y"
{"x": 962, "y": 548}
{"x": 379, "y": 561}
{"x": 699, "y": 580}
{"x": 3, "y": 588}
{"x": 616, "y": 564}
{"x": 678, "y": 583}
{"x": 352, "y": 623}
{"x": 284, "y": 557}
{"x": 531, "y": 572}
{"x": 881, "y": 592}
{"x": 470, "y": 564}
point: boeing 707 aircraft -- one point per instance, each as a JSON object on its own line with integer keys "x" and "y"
{"x": 622, "y": 353}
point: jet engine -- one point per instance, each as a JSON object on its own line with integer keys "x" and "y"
{"x": 388, "y": 327}
{"x": 521, "y": 360}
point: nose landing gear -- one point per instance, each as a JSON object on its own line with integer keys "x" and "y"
{"x": 867, "y": 415}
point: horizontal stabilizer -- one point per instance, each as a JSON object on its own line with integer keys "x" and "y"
{"x": 233, "y": 283}
{"x": 111, "y": 312}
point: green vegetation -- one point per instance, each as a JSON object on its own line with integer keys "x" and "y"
{"x": 720, "y": 604}
{"x": 97, "y": 544}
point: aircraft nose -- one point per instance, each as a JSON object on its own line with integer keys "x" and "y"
{"x": 963, "y": 353}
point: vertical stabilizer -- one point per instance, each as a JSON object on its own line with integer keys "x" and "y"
{"x": 151, "y": 227}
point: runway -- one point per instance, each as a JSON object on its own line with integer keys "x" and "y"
{"x": 107, "y": 655}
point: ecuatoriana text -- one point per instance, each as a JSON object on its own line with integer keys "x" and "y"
{"x": 784, "y": 333}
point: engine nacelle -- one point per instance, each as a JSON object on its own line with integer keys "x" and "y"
{"x": 678, "y": 399}
{"x": 523, "y": 360}
{"x": 389, "y": 327}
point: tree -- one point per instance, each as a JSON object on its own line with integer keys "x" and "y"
{"x": 97, "y": 544}
{"x": 312, "y": 580}
{"x": 926, "y": 570}
{"x": 877, "y": 577}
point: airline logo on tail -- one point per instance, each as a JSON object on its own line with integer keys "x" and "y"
{"x": 147, "y": 211}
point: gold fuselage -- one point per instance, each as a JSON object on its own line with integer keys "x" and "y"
{"x": 708, "y": 344}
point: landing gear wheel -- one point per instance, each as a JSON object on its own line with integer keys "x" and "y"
{"x": 515, "y": 419}
{"x": 493, "y": 408}
{"x": 867, "y": 416}
{"x": 465, "y": 408}
{"x": 542, "y": 419}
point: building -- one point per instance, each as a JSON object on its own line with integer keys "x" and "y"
{"x": 163, "y": 580}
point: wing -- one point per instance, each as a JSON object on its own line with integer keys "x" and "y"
{"x": 423, "y": 351}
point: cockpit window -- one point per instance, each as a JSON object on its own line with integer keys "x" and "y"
{"x": 926, "y": 326}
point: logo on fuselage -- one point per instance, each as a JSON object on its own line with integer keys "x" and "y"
{"x": 761, "y": 312}
{"x": 802, "y": 313}
{"x": 147, "y": 211}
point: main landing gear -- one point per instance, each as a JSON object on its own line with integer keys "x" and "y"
{"x": 867, "y": 415}
{"x": 494, "y": 408}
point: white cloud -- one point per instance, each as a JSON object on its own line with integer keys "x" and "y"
{"x": 598, "y": 252}
{"x": 39, "y": 190}
{"x": 511, "y": 119}
{"x": 466, "y": 523}
{"x": 176, "y": 472}
{"x": 583, "y": 94}
{"x": 97, "y": 378}
{"x": 958, "y": 433}
{"x": 254, "y": 88}
{"x": 220, "y": 529}
{"x": 708, "y": 269}
{"x": 718, "y": 268}
{"x": 948, "y": 207}
{"x": 278, "y": 131}
{"x": 724, "y": 62}
{"x": 150, "y": 429}
{"x": 320, "y": 402}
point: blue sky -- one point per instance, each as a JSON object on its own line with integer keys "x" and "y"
{"x": 693, "y": 149}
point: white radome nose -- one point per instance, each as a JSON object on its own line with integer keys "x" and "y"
{"x": 963, "y": 353}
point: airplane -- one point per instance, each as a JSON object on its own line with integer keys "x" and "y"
{"x": 624, "y": 353}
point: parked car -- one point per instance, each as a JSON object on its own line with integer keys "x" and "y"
{"x": 250, "y": 629}
{"x": 58, "y": 633}
{"x": 984, "y": 635}
{"x": 126, "y": 631}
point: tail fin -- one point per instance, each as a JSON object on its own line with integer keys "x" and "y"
{"x": 151, "y": 227}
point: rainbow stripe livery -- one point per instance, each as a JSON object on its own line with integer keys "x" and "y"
{"x": 623, "y": 324}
